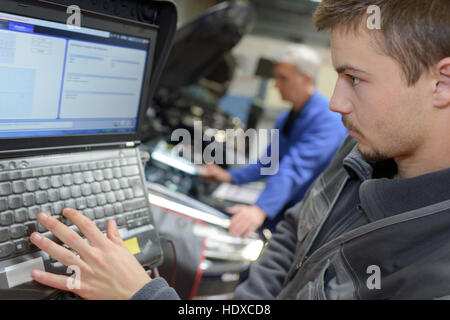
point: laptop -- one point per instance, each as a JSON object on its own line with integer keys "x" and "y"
{"x": 72, "y": 100}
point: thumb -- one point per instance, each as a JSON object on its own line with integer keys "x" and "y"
{"x": 233, "y": 209}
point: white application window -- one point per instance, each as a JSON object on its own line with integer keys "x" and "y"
{"x": 31, "y": 68}
{"x": 102, "y": 81}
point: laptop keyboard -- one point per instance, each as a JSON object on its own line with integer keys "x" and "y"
{"x": 101, "y": 190}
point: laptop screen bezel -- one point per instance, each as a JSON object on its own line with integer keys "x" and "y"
{"x": 58, "y": 13}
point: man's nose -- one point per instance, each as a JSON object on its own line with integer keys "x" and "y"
{"x": 340, "y": 101}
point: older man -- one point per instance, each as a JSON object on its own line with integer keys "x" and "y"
{"x": 309, "y": 137}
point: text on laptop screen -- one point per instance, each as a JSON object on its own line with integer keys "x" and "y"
{"x": 56, "y": 80}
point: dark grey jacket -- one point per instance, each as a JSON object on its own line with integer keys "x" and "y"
{"x": 409, "y": 242}
{"x": 411, "y": 248}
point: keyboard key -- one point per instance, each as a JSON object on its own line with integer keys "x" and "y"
{"x": 70, "y": 204}
{"x": 56, "y": 170}
{"x": 47, "y": 171}
{"x": 111, "y": 197}
{"x": 3, "y": 176}
{"x": 99, "y": 212}
{"x": 96, "y": 187}
{"x": 20, "y": 245}
{"x": 53, "y": 195}
{"x": 67, "y": 180}
{"x": 101, "y": 224}
{"x": 100, "y": 164}
{"x": 37, "y": 172}
{"x": 64, "y": 193}
{"x": 41, "y": 197}
{"x": 44, "y": 183}
{"x": 115, "y": 185}
{"x": 106, "y": 186}
{"x": 91, "y": 201}
{"x": 78, "y": 178}
{"x": 121, "y": 221}
{"x": 117, "y": 173}
{"x": 75, "y": 167}
{"x": 86, "y": 189}
{"x": 132, "y": 160}
{"x": 5, "y": 189}
{"x": 14, "y": 202}
{"x": 134, "y": 204}
{"x": 75, "y": 191}
{"x": 28, "y": 199}
{"x": 58, "y": 207}
{"x": 84, "y": 166}
{"x": 28, "y": 173}
{"x": 88, "y": 177}
{"x": 92, "y": 165}
{"x": 6, "y": 249}
{"x": 129, "y": 193}
{"x": 47, "y": 208}
{"x": 56, "y": 181}
{"x": 19, "y": 186}
{"x": 101, "y": 199}
{"x": 81, "y": 204}
{"x": 98, "y": 175}
{"x": 33, "y": 212}
{"x": 130, "y": 171}
{"x": 109, "y": 210}
{"x": 118, "y": 208}
{"x": 120, "y": 196}
{"x": 89, "y": 213}
{"x": 131, "y": 224}
{"x": 123, "y": 183}
{"x": 13, "y": 175}
{"x": 137, "y": 186}
{"x": 108, "y": 163}
{"x": 3, "y": 204}
{"x": 31, "y": 227}
{"x": 4, "y": 234}
{"x": 20, "y": 215}
{"x": 66, "y": 169}
{"x": 108, "y": 174}
{"x": 41, "y": 228}
{"x": 17, "y": 231}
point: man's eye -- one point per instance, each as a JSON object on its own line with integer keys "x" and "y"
{"x": 354, "y": 80}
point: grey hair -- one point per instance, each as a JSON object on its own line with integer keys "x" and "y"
{"x": 303, "y": 57}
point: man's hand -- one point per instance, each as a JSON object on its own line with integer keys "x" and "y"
{"x": 214, "y": 173}
{"x": 245, "y": 220}
{"x": 107, "y": 268}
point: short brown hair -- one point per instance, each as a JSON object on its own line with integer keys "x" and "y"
{"x": 416, "y": 33}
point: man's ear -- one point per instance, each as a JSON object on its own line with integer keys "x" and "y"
{"x": 442, "y": 91}
{"x": 309, "y": 79}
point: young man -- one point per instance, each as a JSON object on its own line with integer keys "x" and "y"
{"x": 376, "y": 223}
{"x": 309, "y": 136}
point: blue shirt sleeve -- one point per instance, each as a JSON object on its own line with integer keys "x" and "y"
{"x": 298, "y": 169}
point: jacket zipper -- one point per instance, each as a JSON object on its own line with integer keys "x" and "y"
{"x": 298, "y": 266}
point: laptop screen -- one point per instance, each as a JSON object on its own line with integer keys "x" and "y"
{"x": 58, "y": 80}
